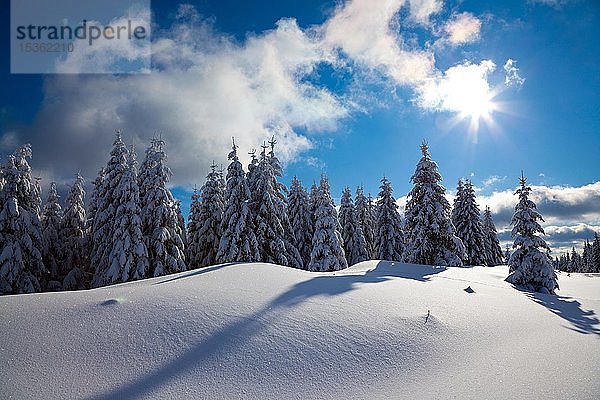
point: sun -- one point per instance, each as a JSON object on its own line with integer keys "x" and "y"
{"x": 474, "y": 105}
{"x": 468, "y": 94}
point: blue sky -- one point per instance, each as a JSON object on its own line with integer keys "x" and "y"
{"x": 351, "y": 89}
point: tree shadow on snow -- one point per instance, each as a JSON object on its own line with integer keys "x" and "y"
{"x": 582, "y": 321}
{"x": 196, "y": 272}
{"x": 233, "y": 337}
{"x": 332, "y": 285}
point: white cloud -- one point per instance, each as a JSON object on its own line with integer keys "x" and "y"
{"x": 559, "y": 205}
{"x": 118, "y": 54}
{"x": 462, "y": 28}
{"x": 362, "y": 30}
{"x": 422, "y": 10}
{"x": 207, "y": 90}
{"x": 512, "y": 77}
{"x": 206, "y": 87}
{"x": 571, "y": 214}
{"x": 493, "y": 179}
{"x": 457, "y": 87}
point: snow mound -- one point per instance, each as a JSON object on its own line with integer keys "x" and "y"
{"x": 375, "y": 330}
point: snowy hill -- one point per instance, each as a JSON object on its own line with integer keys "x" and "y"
{"x": 264, "y": 331}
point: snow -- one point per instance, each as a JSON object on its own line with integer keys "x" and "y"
{"x": 264, "y": 331}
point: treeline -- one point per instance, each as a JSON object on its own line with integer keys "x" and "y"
{"x": 587, "y": 261}
{"x": 134, "y": 229}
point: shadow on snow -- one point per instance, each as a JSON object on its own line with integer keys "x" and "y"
{"x": 234, "y": 335}
{"x": 196, "y": 272}
{"x": 582, "y": 321}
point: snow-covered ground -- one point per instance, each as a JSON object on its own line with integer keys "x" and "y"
{"x": 265, "y": 331}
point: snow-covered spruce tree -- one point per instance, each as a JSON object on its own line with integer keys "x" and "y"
{"x": 595, "y": 256}
{"x": 364, "y": 214}
{"x": 355, "y": 247}
{"x": 52, "y": 240}
{"x": 389, "y": 238}
{"x": 327, "y": 252}
{"x": 75, "y": 237}
{"x": 300, "y": 220}
{"x": 312, "y": 201}
{"x": 458, "y": 202}
{"x": 21, "y": 266}
{"x": 576, "y": 262}
{"x": 119, "y": 253}
{"x": 128, "y": 257}
{"x": 429, "y": 231}
{"x": 180, "y": 222}
{"x": 238, "y": 241}
{"x": 493, "y": 251}
{"x": 529, "y": 264}
{"x": 195, "y": 223}
{"x": 251, "y": 175}
{"x": 102, "y": 211}
{"x": 210, "y": 215}
{"x": 294, "y": 257}
{"x": 161, "y": 227}
{"x": 270, "y": 217}
{"x": 466, "y": 218}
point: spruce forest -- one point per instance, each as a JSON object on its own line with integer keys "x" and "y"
{"x": 133, "y": 227}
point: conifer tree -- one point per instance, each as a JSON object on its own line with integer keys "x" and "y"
{"x": 389, "y": 238}
{"x": 458, "y": 202}
{"x": 355, "y": 246}
{"x": 327, "y": 252}
{"x": 529, "y": 266}
{"x": 161, "y": 226}
{"x": 181, "y": 223}
{"x": 210, "y": 215}
{"x": 300, "y": 220}
{"x": 467, "y": 222}
{"x": 21, "y": 266}
{"x": 52, "y": 242}
{"x": 294, "y": 257}
{"x": 429, "y": 231}
{"x": 595, "y": 253}
{"x": 312, "y": 201}
{"x": 586, "y": 257}
{"x": 238, "y": 241}
{"x": 364, "y": 214}
{"x": 194, "y": 226}
{"x": 575, "y": 264}
{"x": 103, "y": 205}
{"x": 270, "y": 216}
{"x": 252, "y": 169}
{"x": 75, "y": 236}
{"x": 119, "y": 253}
{"x": 493, "y": 251}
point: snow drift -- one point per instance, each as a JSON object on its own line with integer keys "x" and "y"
{"x": 375, "y": 330}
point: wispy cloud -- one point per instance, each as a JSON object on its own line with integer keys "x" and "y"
{"x": 552, "y": 3}
{"x": 512, "y": 74}
{"x": 422, "y": 10}
{"x": 462, "y": 28}
{"x": 492, "y": 180}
